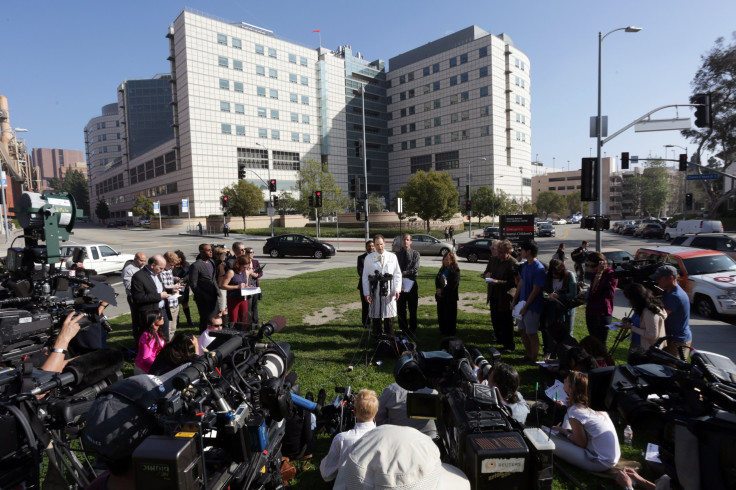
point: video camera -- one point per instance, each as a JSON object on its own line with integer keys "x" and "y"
{"x": 477, "y": 432}
{"x": 689, "y": 407}
{"x": 382, "y": 281}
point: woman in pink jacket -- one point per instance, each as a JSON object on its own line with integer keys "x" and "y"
{"x": 150, "y": 343}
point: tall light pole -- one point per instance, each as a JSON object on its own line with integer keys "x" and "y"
{"x": 684, "y": 195}
{"x": 599, "y": 133}
{"x": 270, "y": 200}
{"x": 521, "y": 188}
{"x": 470, "y": 211}
{"x": 365, "y": 163}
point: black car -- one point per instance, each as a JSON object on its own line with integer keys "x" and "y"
{"x": 649, "y": 230}
{"x": 475, "y": 250}
{"x": 303, "y": 245}
{"x": 491, "y": 232}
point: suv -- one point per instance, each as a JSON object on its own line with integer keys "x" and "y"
{"x": 490, "y": 232}
{"x": 546, "y": 229}
{"x": 649, "y": 230}
{"x": 712, "y": 241}
{"x": 707, "y": 276}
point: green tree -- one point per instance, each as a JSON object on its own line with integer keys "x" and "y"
{"x": 102, "y": 210}
{"x": 717, "y": 76}
{"x": 75, "y": 184}
{"x": 574, "y": 203}
{"x": 430, "y": 195}
{"x": 313, "y": 177}
{"x": 656, "y": 182}
{"x": 375, "y": 203}
{"x": 245, "y": 199}
{"x": 550, "y": 202}
{"x": 488, "y": 203}
{"x": 633, "y": 191}
{"x": 143, "y": 207}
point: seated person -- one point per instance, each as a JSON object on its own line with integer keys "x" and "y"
{"x": 213, "y": 325}
{"x": 366, "y": 407}
{"x": 587, "y": 438}
{"x": 628, "y": 478}
{"x": 150, "y": 343}
{"x": 392, "y": 410}
{"x": 175, "y": 353}
{"x": 506, "y": 379}
{"x": 597, "y": 351}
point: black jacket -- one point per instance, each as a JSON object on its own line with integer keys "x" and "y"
{"x": 202, "y": 282}
{"x": 143, "y": 289}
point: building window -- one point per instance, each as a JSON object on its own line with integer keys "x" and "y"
{"x": 404, "y": 145}
{"x": 438, "y": 139}
{"x": 465, "y": 115}
{"x": 453, "y": 81}
{"x": 259, "y": 49}
{"x": 403, "y": 113}
{"x": 402, "y": 96}
{"x": 422, "y": 162}
{"x": 262, "y": 133}
{"x": 427, "y": 106}
{"x": 453, "y": 62}
{"x": 305, "y": 100}
{"x": 454, "y": 136}
{"x": 518, "y": 99}
{"x": 238, "y": 86}
{"x": 484, "y": 91}
{"x": 412, "y": 127}
{"x": 275, "y": 134}
{"x": 294, "y": 117}
{"x": 463, "y": 58}
{"x": 274, "y": 114}
{"x": 518, "y": 117}
{"x": 306, "y": 138}
{"x": 295, "y": 137}
{"x": 428, "y": 141}
{"x": 437, "y": 121}
{"x": 225, "y": 128}
{"x": 237, "y": 43}
{"x": 305, "y": 81}
{"x": 237, "y": 65}
{"x": 222, "y": 61}
{"x": 411, "y": 93}
{"x": 427, "y": 124}
{"x": 465, "y": 134}
{"x": 239, "y": 109}
{"x": 426, "y": 89}
{"x": 436, "y": 85}
{"x": 523, "y": 101}
{"x": 453, "y": 118}
{"x": 522, "y": 83}
{"x": 447, "y": 160}
{"x": 483, "y": 52}
{"x": 412, "y": 143}
{"x": 517, "y": 81}
{"x": 453, "y": 99}
{"x": 273, "y": 93}
{"x": 292, "y": 58}
{"x": 485, "y": 130}
{"x": 412, "y": 110}
{"x": 483, "y": 72}
{"x": 224, "y": 106}
{"x": 222, "y": 39}
{"x": 240, "y": 130}
{"x": 261, "y": 70}
{"x": 271, "y": 53}
{"x": 224, "y": 84}
{"x": 463, "y": 77}
{"x": 518, "y": 136}
{"x": 403, "y": 128}
{"x": 302, "y": 61}
{"x": 294, "y": 98}
{"x": 522, "y": 66}
{"x": 410, "y": 76}
{"x": 437, "y": 103}
{"x": 516, "y": 62}
{"x": 273, "y": 73}
{"x": 292, "y": 77}
{"x": 402, "y": 79}
{"x": 425, "y": 71}
{"x": 435, "y": 68}
{"x": 261, "y": 91}
{"x": 305, "y": 119}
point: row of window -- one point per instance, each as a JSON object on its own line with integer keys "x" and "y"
{"x": 519, "y": 64}
{"x": 153, "y": 168}
{"x": 258, "y": 158}
{"x": 438, "y": 121}
{"x": 483, "y": 91}
{"x": 259, "y": 49}
{"x": 104, "y": 149}
{"x": 113, "y": 183}
{"x": 273, "y": 73}
{"x": 160, "y": 190}
{"x": 453, "y": 136}
{"x": 452, "y": 62}
{"x": 226, "y": 128}
{"x": 103, "y": 137}
{"x": 563, "y": 188}
{"x": 261, "y": 92}
{"x": 102, "y": 125}
{"x": 443, "y": 161}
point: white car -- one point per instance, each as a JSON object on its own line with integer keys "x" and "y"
{"x": 99, "y": 257}
{"x": 559, "y": 221}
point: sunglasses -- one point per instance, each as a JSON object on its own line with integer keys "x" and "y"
{"x": 250, "y": 251}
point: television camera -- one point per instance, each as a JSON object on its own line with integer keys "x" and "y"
{"x": 689, "y": 407}
{"x": 477, "y": 432}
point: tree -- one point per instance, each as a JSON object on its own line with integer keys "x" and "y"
{"x": 574, "y": 204}
{"x": 245, "y": 199}
{"x": 430, "y": 195}
{"x": 143, "y": 207}
{"x": 75, "y": 184}
{"x": 313, "y": 177}
{"x": 375, "y": 203}
{"x": 717, "y": 76}
{"x": 657, "y": 189}
{"x": 633, "y": 192}
{"x": 102, "y": 210}
{"x": 550, "y": 202}
{"x": 487, "y": 203}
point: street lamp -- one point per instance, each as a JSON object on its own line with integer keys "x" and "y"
{"x": 270, "y": 200}
{"x": 365, "y": 163}
{"x": 684, "y": 197}
{"x": 599, "y": 131}
{"x": 470, "y": 211}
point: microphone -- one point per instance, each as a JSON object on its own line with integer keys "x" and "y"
{"x": 85, "y": 370}
{"x": 276, "y": 324}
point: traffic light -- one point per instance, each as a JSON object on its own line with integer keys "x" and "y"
{"x": 625, "y": 160}
{"x": 703, "y": 112}
{"x": 241, "y": 173}
{"x": 275, "y": 201}
{"x": 468, "y": 206}
{"x": 318, "y": 199}
{"x": 225, "y": 203}
{"x": 311, "y": 201}
{"x": 683, "y": 162}
{"x": 688, "y": 199}
{"x": 272, "y": 185}
{"x": 588, "y": 180}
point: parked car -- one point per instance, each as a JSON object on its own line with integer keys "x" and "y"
{"x": 628, "y": 229}
{"x": 101, "y": 258}
{"x": 491, "y": 232}
{"x": 616, "y": 259}
{"x": 711, "y": 241}
{"x": 425, "y": 245}
{"x": 678, "y": 228}
{"x": 475, "y": 250}
{"x": 559, "y": 221}
{"x": 707, "y": 276}
{"x": 546, "y": 229}
{"x": 649, "y": 230}
{"x": 575, "y": 219}
{"x": 302, "y": 245}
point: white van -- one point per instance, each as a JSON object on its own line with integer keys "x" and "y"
{"x": 692, "y": 226}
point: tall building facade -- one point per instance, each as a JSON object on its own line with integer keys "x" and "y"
{"x": 462, "y": 104}
{"x": 54, "y": 163}
{"x": 145, "y": 107}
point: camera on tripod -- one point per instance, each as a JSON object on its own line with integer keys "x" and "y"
{"x": 382, "y": 281}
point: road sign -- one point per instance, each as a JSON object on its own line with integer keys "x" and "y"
{"x": 156, "y": 209}
{"x": 662, "y": 125}
{"x": 185, "y": 205}
{"x": 270, "y": 211}
{"x": 703, "y": 177}
{"x": 517, "y": 228}
{"x": 4, "y": 179}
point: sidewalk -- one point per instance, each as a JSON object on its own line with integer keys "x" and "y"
{"x": 708, "y": 334}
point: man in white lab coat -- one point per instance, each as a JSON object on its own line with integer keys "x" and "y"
{"x": 382, "y": 306}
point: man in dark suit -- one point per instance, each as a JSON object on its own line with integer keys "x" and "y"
{"x": 409, "y": 264}
{"x": 203, "y": 282}
{"x": 369, "y": 248}
{"x": 147, "y": 291}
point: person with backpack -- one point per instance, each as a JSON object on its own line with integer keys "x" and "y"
{"x": 578, "y": 256}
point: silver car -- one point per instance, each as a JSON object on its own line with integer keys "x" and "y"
{"x": 425, "y": 245}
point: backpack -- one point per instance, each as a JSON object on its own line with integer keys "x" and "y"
{"x": 578, "y": 255}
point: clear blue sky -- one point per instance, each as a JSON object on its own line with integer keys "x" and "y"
{"x": 62, "y": 61}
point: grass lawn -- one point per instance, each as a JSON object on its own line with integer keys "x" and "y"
{"x": 324, "y": 351}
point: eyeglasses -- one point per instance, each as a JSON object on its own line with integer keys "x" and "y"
{"x": 250, "y": 251}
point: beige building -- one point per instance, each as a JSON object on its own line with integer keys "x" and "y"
{"x": 566, "y": 183}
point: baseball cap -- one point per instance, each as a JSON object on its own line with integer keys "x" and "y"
{"x": 663, "y": 271}
{"x": 391, "y": 457}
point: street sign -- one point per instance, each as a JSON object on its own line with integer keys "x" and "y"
{"x": 517, "y": 228}
{"x": 399, "y": 205}
{"x": 594, "y": 126}
{"x": 185, "y": 205}
{"x": 270, "y": 211}
{"x": 703, "y": 177}
{"x": 4, "y": 179}
{"x": 662, "y": 125}
{"x": 634, "y": 158}
{"x": 156, "y": 209}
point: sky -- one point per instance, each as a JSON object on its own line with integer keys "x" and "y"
{"x": 63, "y": 61}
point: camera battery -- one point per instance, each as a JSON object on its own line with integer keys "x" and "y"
{"x": 168, "y": 463}
{"x": 498, "y": 460}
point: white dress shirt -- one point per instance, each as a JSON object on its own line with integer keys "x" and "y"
{"x": 340, "y": 448}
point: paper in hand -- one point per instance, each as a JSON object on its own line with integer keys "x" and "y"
{"x": 556, "y": 392}
{"x": 516, "y": 312}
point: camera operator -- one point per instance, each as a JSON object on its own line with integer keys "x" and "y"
{"x": 382, "y": 281}
{"x": 369, "y": 248}
{"x": 366, "y": 407}
{"x": 57, "y": 355}
{"x": 506, "y": 379}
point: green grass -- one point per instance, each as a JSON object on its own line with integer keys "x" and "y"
{"x": 323, "y": 352}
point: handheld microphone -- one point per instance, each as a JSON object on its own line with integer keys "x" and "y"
{"x": 85, "y": 370}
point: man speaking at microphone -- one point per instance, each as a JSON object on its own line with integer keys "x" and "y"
{"x": 382, "y": 284}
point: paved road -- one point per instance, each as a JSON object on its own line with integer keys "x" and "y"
{"x": 711, "y": 335}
